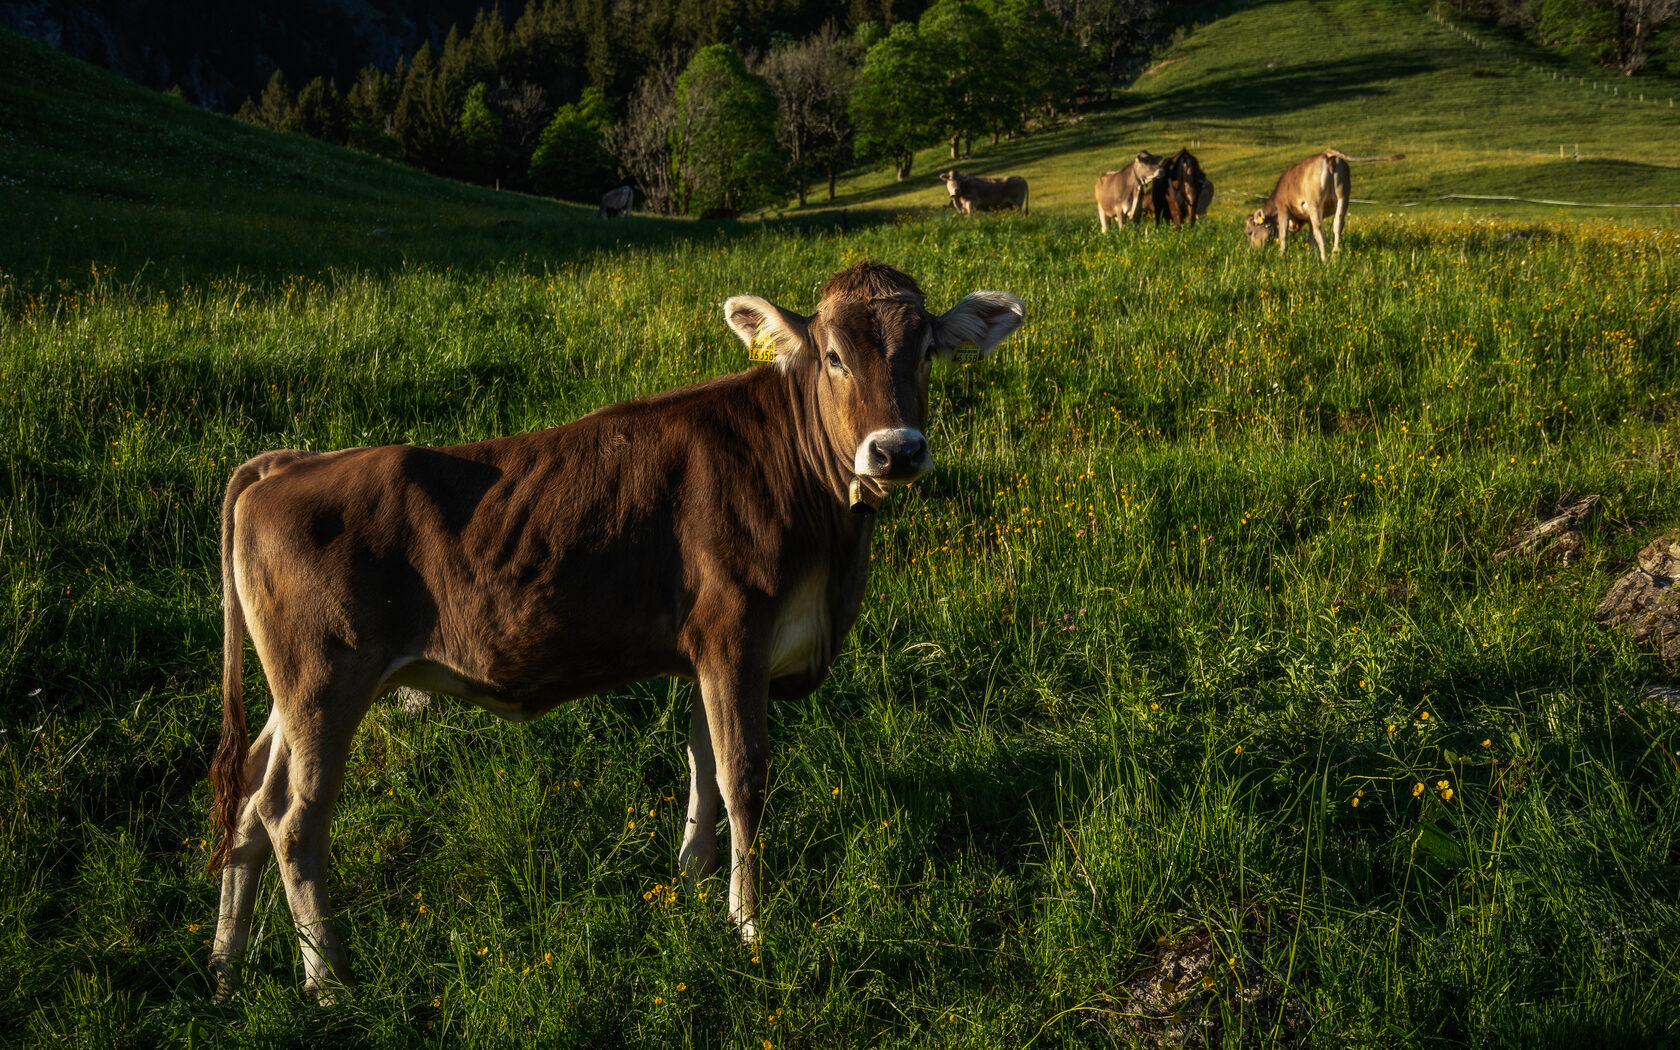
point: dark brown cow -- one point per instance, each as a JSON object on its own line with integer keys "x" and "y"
{"x": 971, "y": 193}
{"x": 1183, "y": 192}
{"x": 616, "y": 202}
{"x": 717, "y": 532}
{"x": 1306, "y": 193}
{"x": 1120, "y": 194}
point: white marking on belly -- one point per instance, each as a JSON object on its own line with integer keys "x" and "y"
{"x": 802, "y": 629}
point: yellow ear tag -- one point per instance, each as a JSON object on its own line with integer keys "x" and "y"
{"x": 967, "y": 354}
{"x": 762, "y": 348}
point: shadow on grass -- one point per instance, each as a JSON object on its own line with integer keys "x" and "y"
{"x": 171, "y": 259}
{"x": 1274, "y": 92}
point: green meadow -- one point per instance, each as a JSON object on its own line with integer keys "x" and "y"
{"x": 1197, "y": 634}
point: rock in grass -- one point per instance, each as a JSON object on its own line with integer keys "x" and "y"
{"x": 1191, "y": 988}
{"x": 1667, "y": 695}
{"x": 412, "y": 701}
{"x": 1645, "y": 601}
{"x": 1559, "y": 536}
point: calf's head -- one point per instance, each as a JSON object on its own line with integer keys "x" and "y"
{"x": 952, "y": 180}
{"x": 869, "y": 350}
{"x": 1261, "y": 227}
{"x": 1146, "y": 167}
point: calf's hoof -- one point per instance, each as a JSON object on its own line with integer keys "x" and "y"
{"x": 227, "y": 980}
{"x": 323, "y": 993}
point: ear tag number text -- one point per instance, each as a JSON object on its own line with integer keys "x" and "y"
{"x": 762, "y": 348}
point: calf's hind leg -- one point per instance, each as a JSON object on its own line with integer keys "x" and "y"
{"x": 243, "y": 871}
{"x": 304, "y": 780}
{"x": 698, "y": 856}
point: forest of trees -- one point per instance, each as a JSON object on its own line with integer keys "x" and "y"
{"x": 700, "y": 113}
{"x": 1631, "y": 36}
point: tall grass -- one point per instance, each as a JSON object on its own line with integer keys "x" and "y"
{"x": 1208, "y": 558}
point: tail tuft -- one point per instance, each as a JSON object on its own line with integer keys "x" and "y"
{"x": 227, "y": 767}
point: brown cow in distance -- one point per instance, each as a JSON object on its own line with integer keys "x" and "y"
{"x": 1306, "y": 193}
{"x": 718, "y": 532}
{"x": 1183, "y": 192}
{"x": 1120, "y": 194}
{"x": 971, "y": 193}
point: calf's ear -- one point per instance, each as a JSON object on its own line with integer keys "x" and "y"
{"x": 770, "y": 332}
{"x": 982, "y": 321}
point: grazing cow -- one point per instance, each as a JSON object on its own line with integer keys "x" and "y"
{"x": 616, "y": 202}
{"x": 1120, "y": 194}
{"x": 1306, "y": 193}
{"x": 971, "y": 193}
{"x": 718, "y": 532}
{"x": 1183, "y": 192}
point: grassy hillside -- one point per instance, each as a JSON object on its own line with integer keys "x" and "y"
{"x": 1272, "y": 82}
{"x": 97, "y": 171}
{"x": 1198, "y": 634}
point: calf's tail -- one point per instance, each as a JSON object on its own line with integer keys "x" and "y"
{"x": 227, "y": 767}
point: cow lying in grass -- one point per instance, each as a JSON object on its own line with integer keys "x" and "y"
{"x": 718, "y": 532}
{"x": 1306, "y": 193}
{"x": 1120, "y": 194}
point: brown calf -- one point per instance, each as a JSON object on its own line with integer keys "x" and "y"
{"x": 1306, "y": 193}
{"x": 1183, "y": 192}
{"x": 971, "y": 193}
{"x": 1120, "y": 193}
{"x": 717, "y": 532}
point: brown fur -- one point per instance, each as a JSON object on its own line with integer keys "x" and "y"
{"x": 707, "y": 532}
{"x": 1305, "y": 193}
{"x": 1120, "y": 194}
{"x": 971, "y": 193}
{"x": 1183, "y": 192}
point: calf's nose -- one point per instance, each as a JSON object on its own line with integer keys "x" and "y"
{"x": 896, "y": 453}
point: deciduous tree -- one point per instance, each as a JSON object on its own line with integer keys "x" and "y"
{"x": 896, "y": 93}
{"x": 812, "y": 82}
{"x": 571, "y": 159}
{"x": 641, "y": 142}
{"x": 723, "y": 142}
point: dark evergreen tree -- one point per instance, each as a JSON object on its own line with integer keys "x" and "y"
{"x": 422, "y": 121}
{"x": 319, "y": 112}
{"x": 272, "y": 106}
{"x": 368, "y": 108}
